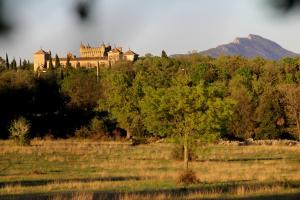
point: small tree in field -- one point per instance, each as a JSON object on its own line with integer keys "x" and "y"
{"x": 20, "y": 130}
{"x": 186, "y": 111}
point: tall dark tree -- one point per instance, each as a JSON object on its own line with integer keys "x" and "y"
{"x": 68, "y": 63}
{"x": 164, "y": 54}
{"x": 14, "y": 64}
{"x": 24, "y": 64}
{"x": 7, "y": 62}
{"x": 50, "y": 67}
{"x": 20, "y": 63}
{"x": 57, "y": 61}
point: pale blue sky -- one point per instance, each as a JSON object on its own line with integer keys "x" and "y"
{"x": 178, "y": 26}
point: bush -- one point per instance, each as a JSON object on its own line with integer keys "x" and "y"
{"x": 20, "y": 131}
{"x": 188, "y": 177}
{"x": 82, "y": 132}
{"x": 97, "y": 125}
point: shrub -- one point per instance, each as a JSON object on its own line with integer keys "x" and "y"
{"x": 20, "y": 131}
{"x": 97, "y": 125}
{"x": 188, "y": 177}
{"x": 82, "y": 132}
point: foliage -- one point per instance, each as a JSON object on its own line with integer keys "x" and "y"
{"x": 20, "y": 131}
{"x": 97, "y": 125}
{"x": 229, "y": 97}
{"x": 183, "y": 109}
{"x": 83, "y": 132}
{"x": 270, "y": 115}
{"x": 121, "y": 99}
{"x": 82, "y": 89}
{"x": 291, "y": 101}
{"x": 242, "y": 123}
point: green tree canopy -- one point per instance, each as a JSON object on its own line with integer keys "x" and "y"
{"x": 82, "y": 88}
{"x": 185, "y": 111}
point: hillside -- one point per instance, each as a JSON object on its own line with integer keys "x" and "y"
{"x": 252, "y": 46}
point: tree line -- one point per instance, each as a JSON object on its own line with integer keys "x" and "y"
{"x": 190, "y": 96}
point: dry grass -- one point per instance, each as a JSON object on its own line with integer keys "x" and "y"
{"x": 83, "y": 166}
{"x": 76, "y": 196}
{"x": 145, "y": 197}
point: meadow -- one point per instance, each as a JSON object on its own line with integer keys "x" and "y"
{"x": 87, "y": 169}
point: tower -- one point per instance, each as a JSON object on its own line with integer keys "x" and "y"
{"x": 39, "y": 60}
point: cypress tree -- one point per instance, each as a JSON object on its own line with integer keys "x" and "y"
{"x": 14, "y": 64}
{"x": 7, "y": 62}
{"x": 24, "y": 64}
{"x": 68, "y": 64}
{"x": 50, "y": 63}
{"x": 57, "y": 62}
{"x": 164, "y": 54}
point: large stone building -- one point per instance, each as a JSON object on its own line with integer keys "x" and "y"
{"x": 89, "y": 57}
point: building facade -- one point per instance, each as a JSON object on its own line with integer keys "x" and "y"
{"x": 89, "y": 57}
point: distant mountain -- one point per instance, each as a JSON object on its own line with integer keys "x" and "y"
{"x": 252, "y": 46}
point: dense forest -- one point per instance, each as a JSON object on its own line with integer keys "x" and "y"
{"x": 229, "y": 97}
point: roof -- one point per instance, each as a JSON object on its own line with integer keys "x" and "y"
{"x": 41, "y": 51}
{"x": 116, "y": 50}
{"x": 83, "y": 59}
{"x": 129, "y": 52}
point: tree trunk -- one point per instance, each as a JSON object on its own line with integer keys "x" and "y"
{"x": 298, "y": 127}
{"x": 128, "y": 133}
{"x": 186, "y": 152}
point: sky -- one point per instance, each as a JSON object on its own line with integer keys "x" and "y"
{"x": 176, "y": 26}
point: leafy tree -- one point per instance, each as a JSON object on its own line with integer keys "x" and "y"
{"x": 242, "y": 124}
{"x": 121, "y": 98}
{"x": 157, "y": 72}
{"x": 291, "y": 100}
{"x": 270, "y": 115}
{"x": 204, "y": 72}
{"x": 185, "y": 111}
{"x": 20, "y": 130}
{"x": 82, "y": 89}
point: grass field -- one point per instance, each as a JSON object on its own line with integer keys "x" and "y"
{"x": 70, "y": 169}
